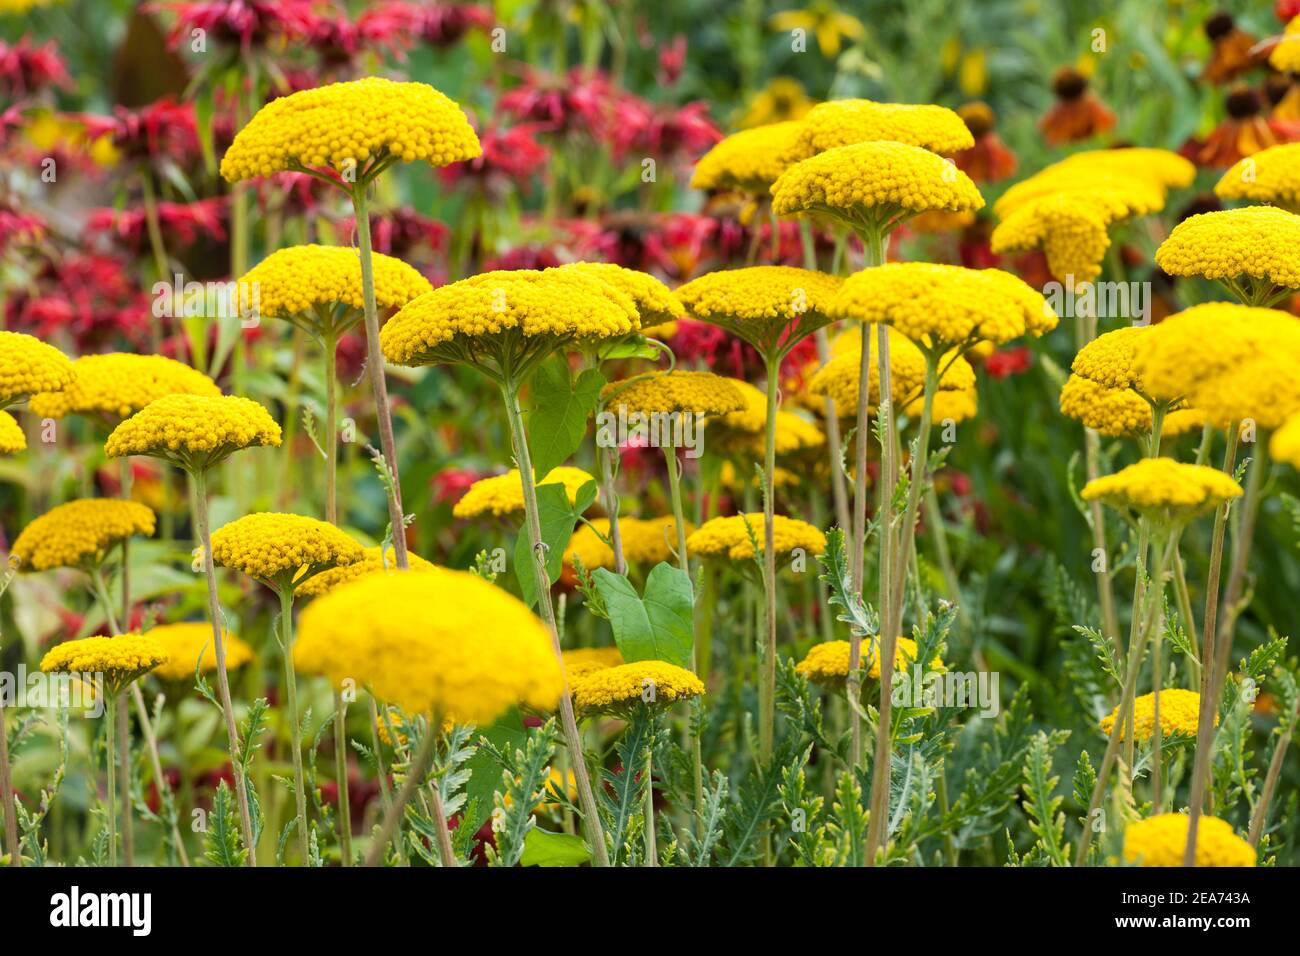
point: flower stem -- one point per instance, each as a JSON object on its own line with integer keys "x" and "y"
{"x": 651, "y": 851}
{"x": 415, "y": 774}
{"x": 341, "y": 776}
{"x": 8, "y": 806}
{"x": 1270, "y": 780}
{"x": 331, "y": 429}
{"x": 295, "y": 730}
{"x": 110, "y": 766}
{"x": 767, "y": 686}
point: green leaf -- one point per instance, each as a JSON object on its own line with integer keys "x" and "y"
{"x": 561, "y": 408}
{"x": 557, "y": 518}
{"x": 658, "y": 627}
{"x": 507, "y": 733}
{"x": 544, "y": 848}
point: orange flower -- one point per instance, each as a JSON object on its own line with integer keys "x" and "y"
{"x": 1077, "y": 114}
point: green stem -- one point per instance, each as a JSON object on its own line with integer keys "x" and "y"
{"x": 415, "y": 775}
{"x": 1270, "y": 780}
{"x": 331, "y": 429}
{"x": 767, "y": 686}
{"x": 295, "y": 729}
{"x": 110, "y": 768}
{"x": 8, "y": 808}
{"x": 679, "y": 514}
{"x": 341, "y": 776}
{"x": 651, "y": 852}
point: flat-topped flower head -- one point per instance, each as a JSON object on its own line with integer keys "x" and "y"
{"x": 1164, "y": 489}
{"x": 194, "y": 431}
{"x": 1261, "y": 242}
{"x": 1161, "y": 840}
{"x": 581, "y": 661}
{"x": 328, "y": 580}
{"x": 1109, "y": 359}
{"x": 189, "y": 647}
{"x": 748, "y": 161}
{"x": 847, "y": 122}
{"x": 12, "y": 439}
{"x": 828, "y": 662}
{"x": 646, "y": 542}
{"x": 948, "y": 405}
{"x": 507, "y": 317}
{"x": 1113, "y": 412}
{"x": 624, "y": 687}
{"x": 118, "y": 660}
{"x": 119, "y": 384}
{"x": 734, "y": 537}
{"x": 1285, "y": 57}
{"x": 877, "y": 182}
{"x": 28, "y": 367}
{"x": 503, "y": 495}
{"x": 80, "y": 533}
{"x": 282, "y": 550}
{"x": 1272, "y": 175}
{"x": 319, "y": 287}
{"x": 1072, "y": 230}
{"x": 839, "y": 378}
{"x": 432, "y": 642}
{"x": 1162, "y": 166}
{"x": 654, "y": 301}
{"x": 770, "y": 307}
{"x": 1285, "y": 444}
{"x": 1141, "y": 196}
{"x": 1179, "y": 711}
{"x": 675, "y": 392}
{"x": 945, "y": 307}
{"x": 792, "y": 434}
{"x": 351, "y": 127}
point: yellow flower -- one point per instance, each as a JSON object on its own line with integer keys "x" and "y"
{"x": 839, "y": 378}
{"x": 185, "y": 642}
{"x": 281, "y": 549}
{"x": 343, "y": 125}
{"x": 1285, "y": 445}
{"x": 12, "y": 439}
{"x": 1285, "y": 57}
{"x": 1161, "y": 840}
{"x": 581, "y": 661}
{"x": 646, "y": 541}
{"x": 120, "y": 384}
{"x": 653, "y": 683}
{"x": 943, "y": 306}
{"x": 441, "y": 642}
{"x": 119, "y": 659}
{"x": 1140, "y": 185}
{"x": 748, "y": 161}
{"x": 782, "y": 100}
{"x": 828, "y": 662}
{"x": 955, "y": 405}
{"x": 1272, "y": 175}
{"x": 1071, "y": 228}
{"x": 504, "y": 494}
{"x": 491, "y": 311}
{"x": 80, "y": 533}
{"x": 1179, "y": 712}
{"x": 327, "y": 581}
{"x": 1109, "y": 359}
{"x": 196, "y": 431}
{"x": 851, "y": 122}
{"x": 793, "y": 434}
{"x": 1164, "y": 486}
{"x": 730, "y": 537}
{"x": 823, "y": 20}
{"x": 1258, "y": 241}
{"x": 674, "y": 392}
{"x": 654, "y": 301}
{"x": 28, "y": 366}
{"x": 752, "y": 415}
{"x": 768, "y": 306}
{"x": 732, "y": 479}
{"x": 874, "y": 180}
{"x": 1113, "y": 412}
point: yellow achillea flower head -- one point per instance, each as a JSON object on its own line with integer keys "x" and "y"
{"x": 504, "y": 494}
{"x": 300, "y": 281}
{"x": 581, "y": 661}
{"x": 828, "y": 662}
{"x": 80, "y": 533}
{"x": 432, "y": 642}
{"x": 1285, "y": 444}
{"x": 654, "y": 301}
{"x": 12, "y": 439}
{"x": 624, "y": 686}
{"x": 1113, "y": 412}
{"x": 1161, "y": 840}
{"x": 185, "y": 642}
{"x": 29, "y": 367}
{"x": 849, "y": 122}
{"x": 1164, "y": 487}
{"x": 1071, "y": 229}
{"x": 120, "y": 384}
{"x": 121, "y": 659}
{"x": 194, "y": 431}
{"x": 732, "y": 479}
{"x": 1109, "y": 359}
{"x": 327, "y": 581}
{"x": 1141, "y": 196}
{"x": 949, "y": 405}
{"x": 282, "y": 549}
{"x": 794, "y": 433}
{"x": 730, "y": 537}
{"x": 770, "y": 307}
{"x": 646, "y": 541}
{"x": 1272, "y": 175}
{"x": 1258, "y": 241}
{"x": 752, "y": 416}
{"x": 1285, "y": 57}
{"x": 342, "y": 125}
{"x": 748, "y": 161}
{"x": 943, "y": 306}
{"x": 1179, "y": 712}
{"x": 1161, "y": 166}
{"x": 488, "y": 314}
{"x": 838, "y": 379}
{"x": 674, "y": 392}
{"x": 874, "y": 180}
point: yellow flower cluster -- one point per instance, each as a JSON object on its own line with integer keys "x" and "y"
{"x": 278, "y": 549}
{"x": 1179, "y": 712}
{"x": 28, "y": 367}
{"x": 12, "y": 439}
{"x": 828, "y": 662}
{"x": 1164, "y": 485}
{"x": 752, "y": 415}
{"x": 1113, "y": 412}
{"x": 432, "y": 642}
{"x": 1071, "y": 228}
{"x": 760, "y": 303}
{"x": 1109, "y": 359}
{"x": 120, "y": 384}
{"x": 581, "y": 661}
{"x": 342, "y": 125}
{"x": 943, "y": 306}
{"x": 653, "y": 683}
{"x": 1259, "y": 241}
{"x": 847, "y": 122}
{"x": 196, "y": 430}
{"x": 838, "y": 379}
{"x": 646, "y": 542}
{"x": 1285, "y": 444}
{"x": 748, "y": 161}
{"x": 654, "y": 301}
{"x": 794, "y": 433}
{"x": 881, "y": 176}
{"x": 119, "y": 659}
{"x": 1272, "y": 175}
{"x": 555, "y": 302}
{"x": 185, "y": 642}
{"x": 1285, "y": 57}
{"x": 327, "y": 581}
{"x": 675, "y": 391}
{"x": 79, "y": 533}
{"x": 290, "y": 282}
{"x": 956, "y": 405}
{"x": 1161, "y": 840}
{"x": 729, "y": 537}
{"x": 504, "y": 494}
{"x": 732, "y": 478}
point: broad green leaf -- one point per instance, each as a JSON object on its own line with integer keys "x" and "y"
{"x": 659, "y": 626}
{"x": 561, "y": 408}
{"x": 544, "y": 848}
{"x": 557, "y": 518}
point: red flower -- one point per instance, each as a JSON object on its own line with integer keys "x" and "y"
{"x": 1007, "y": 362}
{"x": 184, "y": 223}
{"x": 389, "y": 25}
{"x": 19, "y": 228}
{"x": 88, "y": 299}
{"x": 26, "y": 69}
{"x": 989, "y": 160}
{"x": 242, "y": 23}
{"x": 1242, "y": 134}
{"x": 1077, "y": 113}
{"x": 580, "y": 102}
{"x": 672, "y": 60}
{"x": 163, "y": 130}
{"x": 668, "y": 132}
{"x": 509, "y": 159}
{"x": 523, "y": 257}
{"x": 449, "y": 484}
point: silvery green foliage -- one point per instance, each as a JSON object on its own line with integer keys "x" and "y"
{"x": 525, "y": 772}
